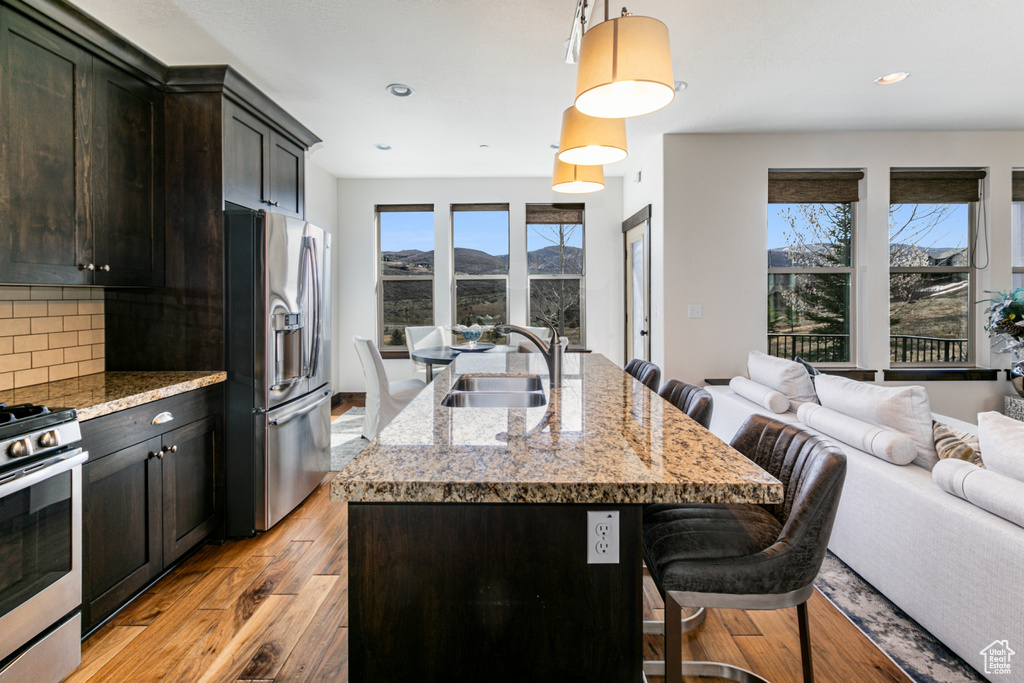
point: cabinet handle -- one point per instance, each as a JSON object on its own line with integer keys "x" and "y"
{"x": 105, "y": 269}
{"x": 171, "y": 449}
{"x": 270, "y": 203}
{"x": 87, "y": 266}
{"x": 159, "y": 455}
{"x": 162, "y": 418}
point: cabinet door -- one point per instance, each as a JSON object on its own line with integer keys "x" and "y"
{"x": 191, "y": 504}
{"x": 246, "y": 153}
{"x": 127, "y": 189}
{"x": 44, "y": 155}
{"x": 121, "y": 527}
{"x": 287, "y": 176}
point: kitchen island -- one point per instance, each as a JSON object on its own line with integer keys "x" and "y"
{"x": 469, "y": 534}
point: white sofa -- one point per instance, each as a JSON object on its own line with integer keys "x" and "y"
{"x": 953, "y": 567}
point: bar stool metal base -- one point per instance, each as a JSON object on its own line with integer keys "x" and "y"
{"x": 689, "y": 624}
{"x": 706, "y": 669}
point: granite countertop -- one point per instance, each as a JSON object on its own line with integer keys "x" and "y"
{"x": 602, "y": 438}
{"x": 108, "y": 392}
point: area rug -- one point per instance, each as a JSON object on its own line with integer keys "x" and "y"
{"x": 346, "y": 440}
{"x": 921, "y": 656}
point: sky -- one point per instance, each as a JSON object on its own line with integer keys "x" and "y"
{"x": 951, "y": 233}
{"x": 485, "y": 231}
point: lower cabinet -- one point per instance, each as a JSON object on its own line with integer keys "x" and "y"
{"x": 147, "y": 504}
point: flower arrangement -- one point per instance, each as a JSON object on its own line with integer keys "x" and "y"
{"x": 1006, "y": 320}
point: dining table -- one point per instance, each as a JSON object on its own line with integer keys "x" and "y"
{"x": 444, "y": 355}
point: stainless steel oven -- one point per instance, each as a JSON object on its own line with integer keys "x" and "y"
{"x": 40, "y": 552}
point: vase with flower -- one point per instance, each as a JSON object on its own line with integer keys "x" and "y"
{"x": 1005, "y": 326}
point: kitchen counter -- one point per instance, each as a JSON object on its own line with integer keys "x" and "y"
{"x": 602, "y": 438}
{"x": 109, "y": 392}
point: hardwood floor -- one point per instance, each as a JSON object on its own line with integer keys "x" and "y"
{"x": 274, "y": 608}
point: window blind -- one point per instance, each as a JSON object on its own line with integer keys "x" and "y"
{"x": 554, "y": 214}
{"x": 934, "y": 187}
{"x": 1018, "y": 186}
{"x": 825, "y": 187}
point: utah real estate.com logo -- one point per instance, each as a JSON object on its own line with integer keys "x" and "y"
{"x": 997, "y": 658}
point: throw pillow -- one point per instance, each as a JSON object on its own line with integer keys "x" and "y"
{"x": 889, "y": 445}
{"x": 903, "y": 409}
{"x": 763, "y": 396}
{"x": 952, "y": 444}
{"x": 784, "y": 376}
{"x": 811, "y": 370}
{"x": 1002, "y": 442}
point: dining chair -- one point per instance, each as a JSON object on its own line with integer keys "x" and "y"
{"x": 423, "y": 337}
{"x": 695, "y": 401}
{"x": 384, "y": 399}
{"x": 645, "y": 372}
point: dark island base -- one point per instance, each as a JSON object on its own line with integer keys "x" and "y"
{"x": 490, "y": 592}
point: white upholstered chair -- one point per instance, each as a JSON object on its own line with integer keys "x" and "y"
{"x": 384, "y": 399}
{"x": 421, "y": 338}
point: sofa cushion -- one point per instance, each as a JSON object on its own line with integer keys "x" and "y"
{"x": 990, "y": 491}
{"x": 1002, "y": 441}
{"x": 766, "y": 397}
{"x": 952, "y": 444}
{"x": 903, "y": 409}
{"x": 887, "y": 444}
{"x": 785, "y": 376}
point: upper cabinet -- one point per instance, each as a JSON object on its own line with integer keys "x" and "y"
{"x": 263, "y": 168}
{"x": 80, "y": 160}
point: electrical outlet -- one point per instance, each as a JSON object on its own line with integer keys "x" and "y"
{"x": 602, "y": 537}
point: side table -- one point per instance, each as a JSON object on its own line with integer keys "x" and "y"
{"x": 1013, "y": 406}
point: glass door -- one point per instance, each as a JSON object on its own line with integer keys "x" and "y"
{"x": 638, "y": 292}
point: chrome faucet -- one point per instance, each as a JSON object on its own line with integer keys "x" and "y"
{"x": 552, "y": 351}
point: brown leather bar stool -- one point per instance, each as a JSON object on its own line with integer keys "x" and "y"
{"x": 645, "y": 372}
{"x": 747, "y": 556}
{"x": 695, "y": 401}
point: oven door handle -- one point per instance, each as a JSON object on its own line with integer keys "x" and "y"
{"x": 68, "y": 461}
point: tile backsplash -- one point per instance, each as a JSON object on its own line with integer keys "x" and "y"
{"x": 49, "y": 334}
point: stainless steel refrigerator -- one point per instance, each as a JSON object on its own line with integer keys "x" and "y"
{"x": 278, "y": 394}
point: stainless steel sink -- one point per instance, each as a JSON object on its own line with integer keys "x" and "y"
{"x": 501, "y": 383}
{"x": 494, "y": 399}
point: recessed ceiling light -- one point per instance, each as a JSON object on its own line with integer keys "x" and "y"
{"x": 382, "y": 147}
{"x": 400, "y": 90}
{"x": 680, "y": 86}
{"x": 895, "y": 77}
{"x": 553, "y": 146}
{"x": 485, "y": 146}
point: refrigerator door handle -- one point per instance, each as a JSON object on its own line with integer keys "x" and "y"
{"x": 300, "y": 410}
{"x": 314, "y": 361}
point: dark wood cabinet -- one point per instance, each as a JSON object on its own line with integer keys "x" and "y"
{"x": 263, "y": 169}
{"x": 147, "y": 504}
{"x": 191, "y": 505}
{"x": 80, "y": 164}
{"x": 45, "y": 155}
{"x": 128, "y": 193}
{"x": 121, "y": 527}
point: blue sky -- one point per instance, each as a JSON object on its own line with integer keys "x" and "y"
{"x": 952, "y": 232}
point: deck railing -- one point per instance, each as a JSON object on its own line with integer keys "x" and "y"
{"x": 833, "y": 348}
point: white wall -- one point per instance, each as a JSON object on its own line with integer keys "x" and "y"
{"x": 643, "y": 185}
{"x": 715, "y": 241}
{"x": 322, "y": 211}
{"x": 355, "y": 295}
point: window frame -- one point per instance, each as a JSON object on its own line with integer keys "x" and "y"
{"x": 972, "y": 286}
{"x": 851, "y": 270}
{"x": 1017, "y": 219}
{"x": 581, "y": 277}
{"x": 382, "y": 278}
{"x": 456, "y": 278}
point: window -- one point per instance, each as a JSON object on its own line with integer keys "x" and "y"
{"x": 931, "y": 278}
{"x": 811, "y": 219}
{"x": 480, "y": 261}
{"x": 1018, "y": 229}
{"x": 555, "y": 264}
{"x": 406, "y": 242}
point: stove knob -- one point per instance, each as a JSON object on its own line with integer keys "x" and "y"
{"x": 20, "y": 448}
{"x": 49, "y": 439}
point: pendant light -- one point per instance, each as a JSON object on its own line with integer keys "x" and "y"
{"x": 591, "y": 141}
{"x": 573, "y": 179}
{"x": 625, "y": 68}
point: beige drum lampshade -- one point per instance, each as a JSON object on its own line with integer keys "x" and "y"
{"x": 625, "y": 68}
{"x": 572, "y": 179}
{"x": 591, "y": 141}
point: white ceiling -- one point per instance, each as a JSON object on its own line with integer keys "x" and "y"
{"x": 494, "y": 73}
